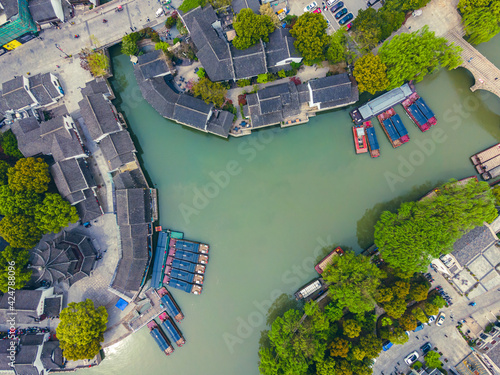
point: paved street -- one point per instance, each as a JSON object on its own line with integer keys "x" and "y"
{"x": 477, "y": 317}
{"x": 42, "y": 55}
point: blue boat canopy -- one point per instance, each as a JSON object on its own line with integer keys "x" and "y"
{"x": 427, "y": 112}
{"x": 181, "y": 285}
{"x": 160, "y": 340}
{"x": 372, "y": 139}
{"x": 160, "y": 253}
{"x": 398, "y": 124}
{"x": 170, "y": 305}
{"x": 417, "y": 114}
{"x": 171, "y": 331}
{"x": 393, "y": 134}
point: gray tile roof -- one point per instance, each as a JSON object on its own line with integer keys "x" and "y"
{"x": 98, "y": 115}
{"x": 42, "y": 11}
{"x": 52, "y": 358}
{"x": 157, "y": 93}
{"x": 136, "y": 230}
{"x": 15, "y": 94}
{"x": 25, "y": 300}
{"x": 220, "y": 123}
{"x": 130, "y": 179}
{"x": 213, "y": 51}
{"x": 4, "y": 361}
{"x": 192, "y": 111}
{"x": 249, "y": 62}
{"x": 238, "y": 5}
{"x": 473, "y": 243}
{"x": 128, "y": 275}
{"x": 52, "y": 307}
{"x": 133, "y": 206}
{"x": 97, "y": 86}
{"x": 26, "y": 355}
{"x": 153, "y": 64}
{"x": 11, "y": 7}
{"x": 273, "y": 104}
{"x": 89, "y": 209}
{"x": 118, "y": 149}
{"x": 331, "y": 88}
{"x": 72, "y": 176}
{"x": 60, "y": 142}
{"x": 280, "y": 47}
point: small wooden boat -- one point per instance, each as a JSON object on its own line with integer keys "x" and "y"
{"x": 360, "y": 144}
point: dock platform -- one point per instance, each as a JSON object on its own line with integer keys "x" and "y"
{"x": 154, "y": 311}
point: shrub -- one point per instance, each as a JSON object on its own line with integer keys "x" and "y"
{"x": 9, "y": 145}
{"x": 176, "y": 40}
{"x": 242, "y": 99}
{"x": 282, "y": 73}
{"x": 170, "y": 22}
{"x": 129, "y": 44}
{"x": 201, "y": 73}
{"x": 243, "y": 82}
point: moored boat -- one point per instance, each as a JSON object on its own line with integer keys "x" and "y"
{"x": 309, "y": 289}
{"x": 170, "y": 305}
{"x": 191, "y": 246}
{"x": 486, "y": 155}
{"x": 360, "y": 145}
{"x": 184, "y": 286}
{"x": 389, "y": 129}
{"x": 191, "y": 257}
{"x": 172, "y": 330}
{"x": 160, "y": 338}
{"x": 372, "y": 140}
{"x": 488, "y": 165}
{"x": 419, "y": 112}
{"x": 326, "y": 261}
{"x": 188, "y": 266}
{"x": 192, "y": 278}
{"x": 495, "y": 172}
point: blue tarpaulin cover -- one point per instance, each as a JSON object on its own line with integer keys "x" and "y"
{"x": 121, "y": 304}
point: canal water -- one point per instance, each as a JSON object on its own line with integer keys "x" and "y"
{"x": 270, "y": 202}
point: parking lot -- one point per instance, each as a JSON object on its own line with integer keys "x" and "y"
{"x": 486, "y": 308}
{"x": 297, "y": 8}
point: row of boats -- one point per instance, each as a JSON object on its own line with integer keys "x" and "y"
{"x": 179, "y": 263}
{"x": 365, "y": 138}
{"x": 167, "y": 331}
{"x": 487, "y": 162}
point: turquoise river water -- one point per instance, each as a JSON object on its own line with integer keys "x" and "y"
{"x": 268, "y": 203}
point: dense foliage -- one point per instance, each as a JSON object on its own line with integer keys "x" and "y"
{"x": 80, "y": 331}
{"x": 187, "y": 5}
{"x": 337, "y": 50}
{"x": 28, "y": 210}
{"x": 431, "y": 226}
{"x": 210, "y": 92}
{"x": 4, "y": 168}
{"x": 266, "y": 10}
{"x": 310, "y": 37}
{"x": 250, "y": 28}
{"x": 129, "y": 44}
{"x": 8, "y": 142}
{"x": 98, "y": 63}
{"x": 413, "y": 56}
{"x": 14, "y": 260}
{"x": 371, "y": 26}
{"x": 371, "y": 74}
{"x": 481, "y": 19}
{"x": 355, "y": 279}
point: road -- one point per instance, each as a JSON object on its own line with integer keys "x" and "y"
{"x": 41, "y": 55}
{"x": 486, "y": 309}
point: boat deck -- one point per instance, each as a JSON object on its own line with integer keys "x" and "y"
{"x": 388, "y": 128}
{"x": 486, "y": 155}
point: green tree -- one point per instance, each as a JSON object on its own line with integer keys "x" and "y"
{"x": 354, "y": 280}
{"x": 496, "y": 194}
{"x": 250, "y": 28}
{"x": 98, "y": 63}
{"x": 129, "y": 44}
{"x": 481, "y": 25}
{"x": 20, "y": 231}
{"x": 266, "y": 10}
{"x": 384, "y": 295}
{"x": 333, "y": 312}
{"x": 367, "y": 28}
{"x": 399, "y": 55}
{"x": 395, "y": 308}
{"x": 337, "y": 51}
{"x": 418, "y": 292}
{"x": 438, "y": 301}
{"x": 180, "y": 27}
{"x": 80, "y": 331}
{"x": 29, "y": 174}
{"x": 263, "y": 78}
{"x": 13, "y": 270}
{"x": 352, "y": 328}
{"x": 187, "y": 5}
{"x": 343, "y": 367}
{"x": 20, "y": 203}
{"x": 170, "y": 22}
{"x": 370, "y": 73}
{"x": 398, "y": 336}
{"x": 401, "y": 289}
{"x": 310, "y": 37}
{"x": 430, "y": 227}
{"x": 371, "y": 345}
{"x": 408, "y": 322}
{"x": 432, "y": 360}
{"x": 201, "y": 73}
{"x": 419, "y": 314}
{"x": 386, "y": 321}
{"x": 358, "y": 353}
{"x": 9, "y": 145}
{"x": 55, "y": 213}
{"x": 4, "y": 168}
{"x": 325, "y": 367}
{"x": 339, "y": 347}
{"x": 210, "y": 92}
{"x": 431, "y": 309}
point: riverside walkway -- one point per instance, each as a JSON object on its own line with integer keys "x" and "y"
{"x": 443, "y": 18}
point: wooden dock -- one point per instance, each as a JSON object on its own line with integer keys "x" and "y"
{"x": 153, "y": 312}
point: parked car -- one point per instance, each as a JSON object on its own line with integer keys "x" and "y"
{"x": 317, "y": 10}
{"x": 420, "y": 327}
{"x": 386, "y": 345}
{"x": 348, "y": 26}
{"x": 432, "y": 318}
{"x": 411, "y": 358}
{"x": 341, "y": 13}
{"x": 440, "y": 319}
{"x": 337, "y": 6}
{"x": 311, "y": 6}
{"x": 346, "y": 19}
{"x": 426, "y": 348}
